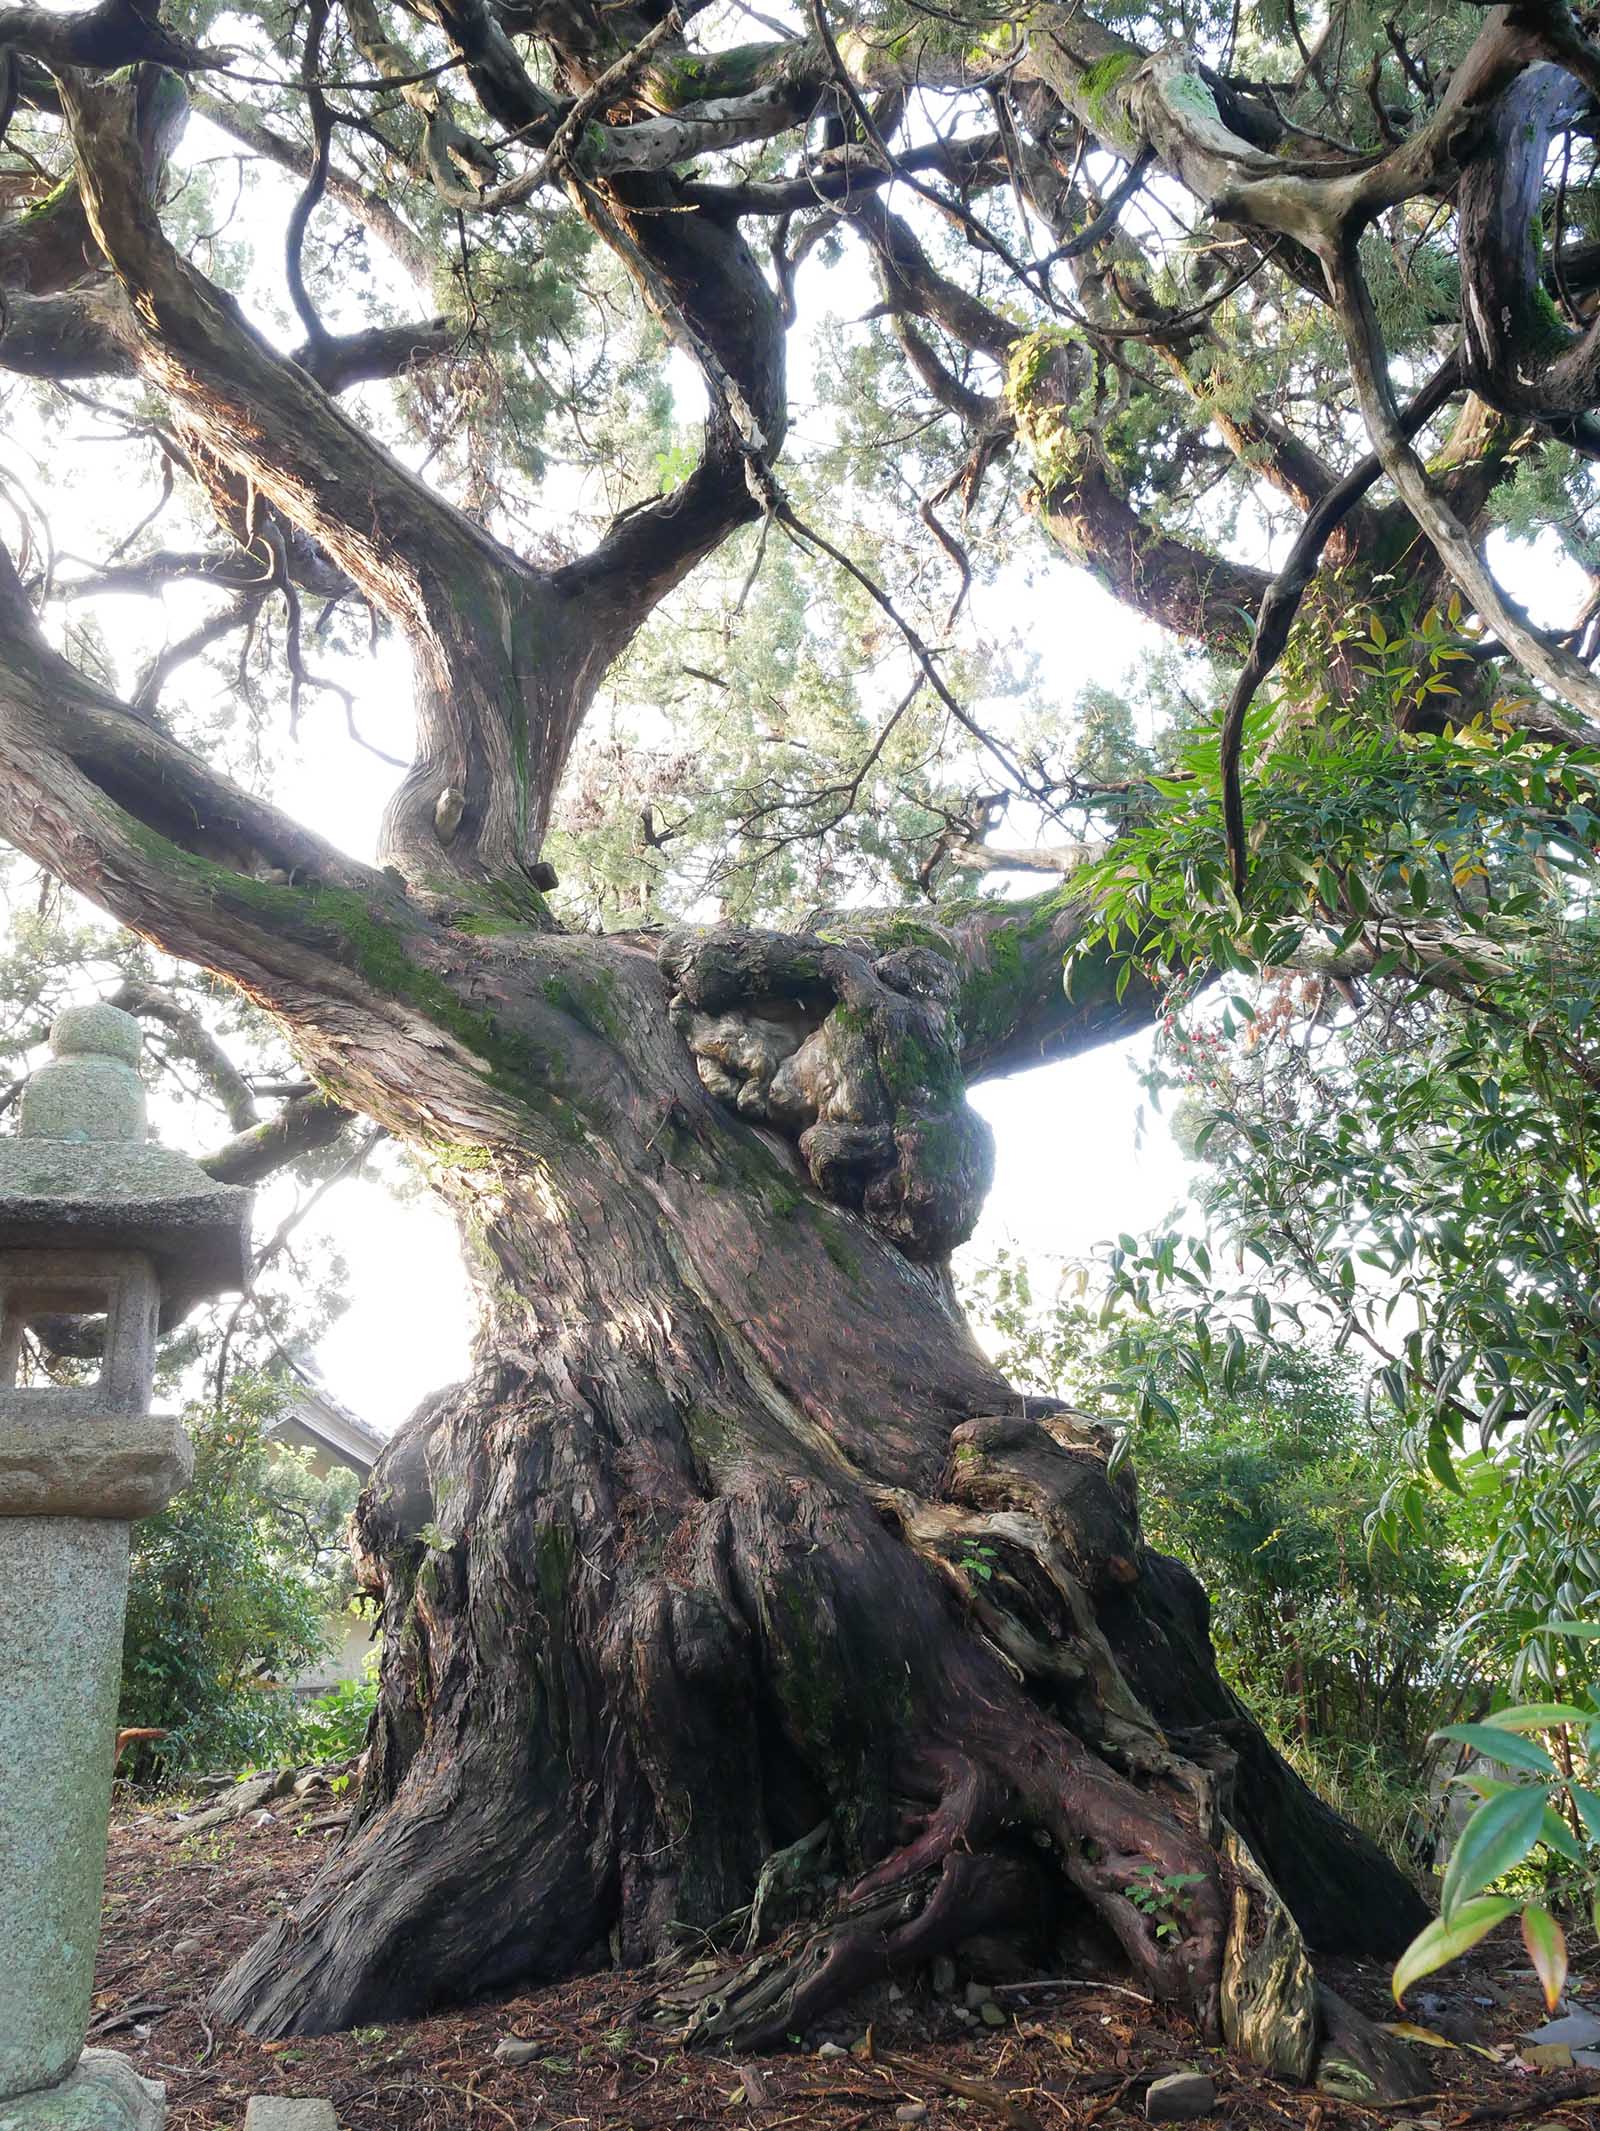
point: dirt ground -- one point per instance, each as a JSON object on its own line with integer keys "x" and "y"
{"x": 179, "y": 1910}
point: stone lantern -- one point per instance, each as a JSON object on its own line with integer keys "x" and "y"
{"x": 105, "y": 1239}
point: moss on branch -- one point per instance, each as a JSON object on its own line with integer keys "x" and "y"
{"x": 353, "y": 929}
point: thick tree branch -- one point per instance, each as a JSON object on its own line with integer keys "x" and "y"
{"x": 88, "y": 332}
{"x": 472, "y": 612}
{"x": 304, "y": 1125}
{"x": 1012, "y": 1003}
{"x": 188, "y": 1035}
{"x": 913, "y": 283}
{"x": 339, "y": 360}
{"x": 974, "y": 410}
{"x": 261, "y": 413}
{"x": 117, "y": 33}
{"x": 457, "y": 165}
{"x": 104, "y": 798}
{"x": 836, "y": 176}
{"x": 1519, "y": 355}
{"x": 1556, "y": 669}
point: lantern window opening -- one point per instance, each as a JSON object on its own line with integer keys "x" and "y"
{"x": 98, "y": 1307}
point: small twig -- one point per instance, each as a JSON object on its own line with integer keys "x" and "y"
{"x": 1019, "y": 2118}
{"x": 1500, "y": 2112}
{"x": 999, "y": 1990}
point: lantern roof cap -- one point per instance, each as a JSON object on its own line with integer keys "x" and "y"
{"x": 81, "y": 1174}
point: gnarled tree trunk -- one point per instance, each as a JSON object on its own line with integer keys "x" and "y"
{"x": 734, "y": 1542}
{"x": 735, "y": 1593}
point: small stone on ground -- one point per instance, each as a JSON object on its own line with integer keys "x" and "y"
{"x": 274, "y": 2112}
{"x": 1178, "y": 2097}
{"x": 512, "y": 2049}
{"x": 911, "y": 2112}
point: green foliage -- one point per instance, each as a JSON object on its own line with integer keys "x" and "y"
{"x": 1546, "y": 1808}
{"x": 333, "y": 1726}
{"x": 1398, "y": 1138}
{"x": 230, "y": 1592}
{"x": 1164, "y": 1898}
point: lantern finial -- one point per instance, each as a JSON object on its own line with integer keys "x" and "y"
{"x": 89, "y": 1090}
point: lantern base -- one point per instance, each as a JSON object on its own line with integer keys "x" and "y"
{"x": 102, "y": 2092}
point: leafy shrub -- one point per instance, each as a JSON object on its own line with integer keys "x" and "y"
{"x": 1537, "y": 1811}
{"x": 333, "y": 1727}
{"x": 230, "y": 1589}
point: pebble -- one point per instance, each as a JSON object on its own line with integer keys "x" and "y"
{"x": 831, "y": 2049}
{"x": 274, "y": 2112}
{"x": 1178, "y": 2097}
{"x": 911, "y": 2112}
{"x": 513, "y": 2049}
{"x": 990, "y": 2014}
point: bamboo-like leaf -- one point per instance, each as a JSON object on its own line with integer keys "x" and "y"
{"x": 1539, "y": 1716}
{"x": 1588, "y": 1805}
{"x": 1547, "y": 1950}
{"x": 1447, "y": 1939}
{"x": 1498, "y": 1744}
{"x": 1555, "y": 1831}
{"x": 1499, "y": 1835}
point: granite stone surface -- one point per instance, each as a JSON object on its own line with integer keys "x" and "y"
{"x": 128, "y": 1465}
{"x": 90, "y": 1090}
{"x": 275, "y": 2112}
{"x": 102, "y": 2092}
{"x": 63, "y": 1588}
{"x": 52, "y": 1288}
{"x": 81, "y": 1175}
{"x": 64, "y": 1195}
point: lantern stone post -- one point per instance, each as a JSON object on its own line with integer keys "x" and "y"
{"x": 108, "y": 1236}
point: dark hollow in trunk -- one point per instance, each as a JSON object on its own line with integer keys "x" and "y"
{"x": 736, "y": 1593}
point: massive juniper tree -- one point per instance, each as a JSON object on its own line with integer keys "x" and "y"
{"x": 735, "y": 1556}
